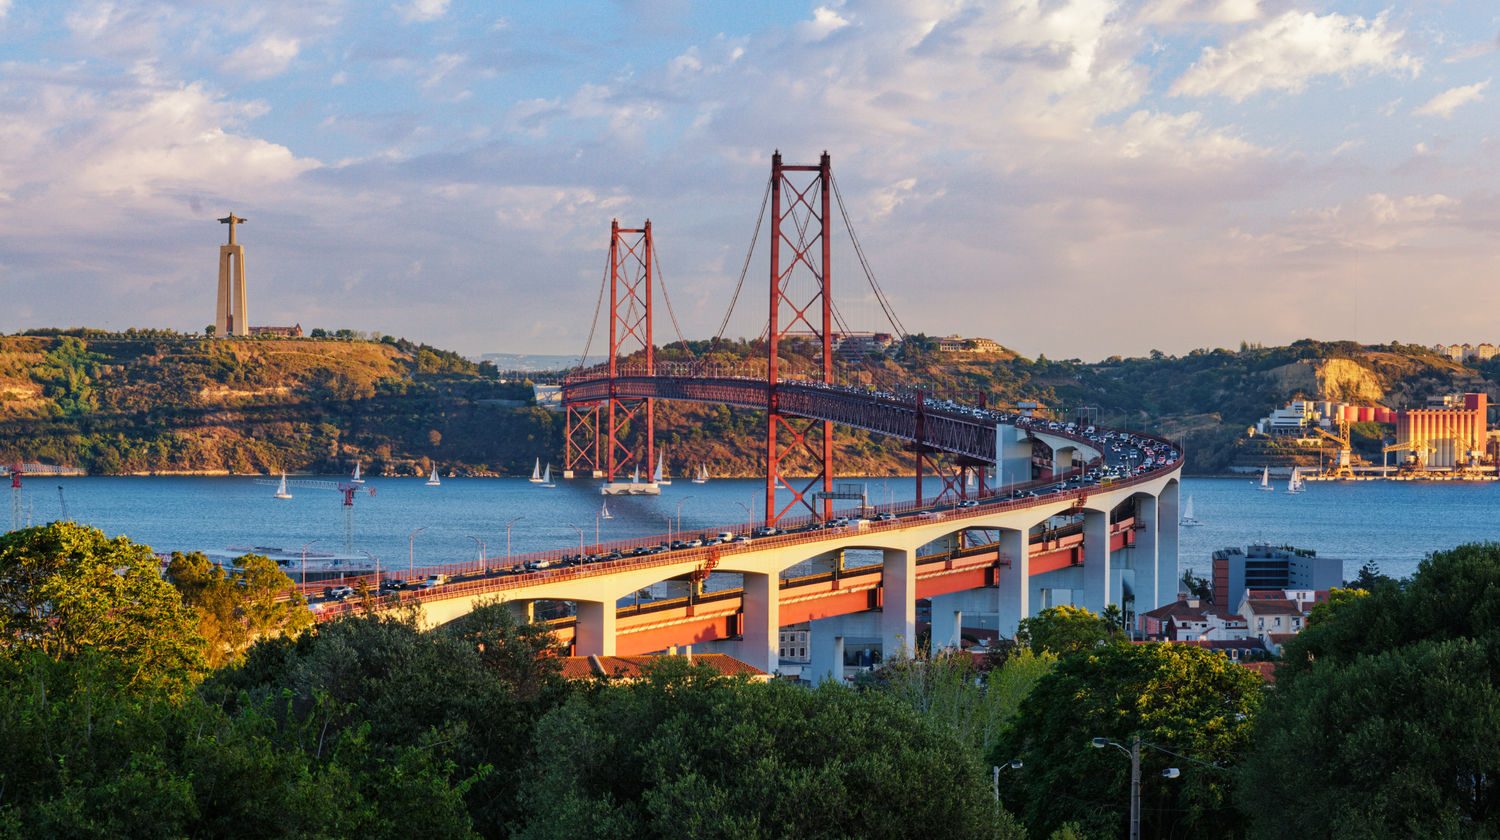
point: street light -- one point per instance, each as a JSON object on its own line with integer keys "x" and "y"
{"x": 669, "y": 526}
{"x": 679, "y": 512}
{"x": 1013, "y": 764}
{"x": 376, "y": 561}
{"x": 580, "y": 536}
{"x": 481, "y": 548}
{"x": 411, "y": 563}
{"x": 507, "y": 534}
{"x": 1134, "y": 751}
{"x": 749, "y": 515}
{"x": 304, "y": 559}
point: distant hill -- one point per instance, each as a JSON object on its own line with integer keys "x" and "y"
{"x": 152, "y": 401}
{"x": 532, "y": 363}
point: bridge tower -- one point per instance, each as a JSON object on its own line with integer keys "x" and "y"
{"x": 801, "y": 278}
{"x": 631, "y": 257}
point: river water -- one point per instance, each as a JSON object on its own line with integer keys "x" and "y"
{"x": 1395, "y": 524}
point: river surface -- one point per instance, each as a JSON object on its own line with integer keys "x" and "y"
{"x": 1395, "y": 524}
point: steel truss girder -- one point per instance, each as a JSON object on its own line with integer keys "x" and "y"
{"x": 941, "y": 430}
{"x": 581, "y": 437}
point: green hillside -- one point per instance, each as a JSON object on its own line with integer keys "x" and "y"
{"x": 153, "y": 401}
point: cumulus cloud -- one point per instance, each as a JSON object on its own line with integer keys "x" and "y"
{"x": 825, "y": 22}
{"x": 1444, "y": 104}
{"x": 1287, "y": 52}
{"x": 1201, "y": 11}
{"x": 422, "y": 11}
{"x": 263, "y": 59}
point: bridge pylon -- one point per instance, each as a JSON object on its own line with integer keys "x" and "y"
{"x": 632, "y": 255}
{"x": 801, "y": 278}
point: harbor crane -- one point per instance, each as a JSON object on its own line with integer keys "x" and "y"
{"x": 1340, "y": 468}
{"x": 348, "y": 488}
{"x": 18, "y": 469}
{"x": 1419, "y": 451}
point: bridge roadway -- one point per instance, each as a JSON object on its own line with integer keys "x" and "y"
{"x": 1012, "y": 578}
{"x": 961, "y": 430}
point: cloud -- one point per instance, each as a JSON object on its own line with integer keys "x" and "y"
{"x": 1292, "y": 49}
{"x": 825, "y": 22}
{"x": 1201, "y": 11}
{"x": 263, "y": 59}
{"x": 422, "y": 11}
{"x": 1444, "y": 104}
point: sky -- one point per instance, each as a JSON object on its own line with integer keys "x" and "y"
{"x": 1074, "y": 178}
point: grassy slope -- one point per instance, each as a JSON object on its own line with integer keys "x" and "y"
{"x": 177, "y": 404}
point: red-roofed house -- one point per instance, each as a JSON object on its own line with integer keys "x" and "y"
{"x": 1274, "y": 616}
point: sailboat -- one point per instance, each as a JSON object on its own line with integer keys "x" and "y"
{"x": 281, "y": 491}
{"x": 1188, "y": 519}
{"x": 1265, "y": 480}
{"x": 659, "y": 477}
{"x": 547, "y": 477}
{"x": 702, "y": 476}
{"x": 604, "y": 512}
{"x": 1295, "y": 485}
{"x": 536, "y": 472}
{"x": 432, "y": 481}
{"x": 354, "y": 476}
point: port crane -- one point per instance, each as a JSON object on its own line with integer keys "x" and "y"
{"x": 1340, "y": 468}
{"x": 348, "y": 488}
{"x": 18, "y": 469}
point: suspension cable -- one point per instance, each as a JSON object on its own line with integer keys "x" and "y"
{"x": 598, "y": 305}
{"x": 744, "y": 271}
{"x": 864, "y": 264}
{"x": 673, "y": 315}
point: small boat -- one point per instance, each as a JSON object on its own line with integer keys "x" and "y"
{"x": 281, "y": 491}
{"x": 702, "y": 476}
{"x": 1295, "y": 484}
{"x": 1188, "y": 520}
{"x": 536, "y": 472}
{"x": 354, "y": 476}
{"x": 604, "y": 512}
{"x": 547, "y": 477}
{"x": 1265, "y": 480}
{"x": 659, "y": 477}
{"x": 432, "y": 480}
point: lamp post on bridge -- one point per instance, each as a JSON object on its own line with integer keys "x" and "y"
{"x": 669, "y": 526}
{"x": 376, "y": 561}
{"x": 679, "y": 513}
{"x": 304, "y": 559}
{"x": 508, "y": 555}
{"x": 481, "y": 548}
{"x": 580, "y": 536}
{"x": 411, "y": 557}
{"x": 749, "y": 515}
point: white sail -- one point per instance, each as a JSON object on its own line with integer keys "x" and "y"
{"x": 658, "y": 477}
{"x": 1187, "y": 514}
{"x": 1265, "y": 479}
{"x": 1295, "y": 484}
{"x": 536, "y": 472}
{"x": 635, "y": 477}
{"x": 281, "y": 491}
{"x": 547, "y": 477}
{"x": 604, "y": 512}
{"x": 355, "y": 475}
{"x": 702, "y": 476}
{"x": 433, "y": 481}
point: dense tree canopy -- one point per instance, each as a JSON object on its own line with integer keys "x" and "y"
{"x": 67, "y": 591}
{"x": 1066, "y": 629}
{"x": 1184, "y": 700}
{"x": 1385, "y": 718}
{"x": 239, "y": 605}
{"x": 685, "y": 753}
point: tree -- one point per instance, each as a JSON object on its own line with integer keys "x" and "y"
{"x": 1403, "y": 743}
{"x": 1198, "y": 587}
{"x": 687, "y": 753}
{"x": 1184, "y": 699}
{"x": 67, "y": 590}
{"x": 1065, "y": 629}
{"x": 238, "y": 606}
{"x": 1386, "y": 709}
